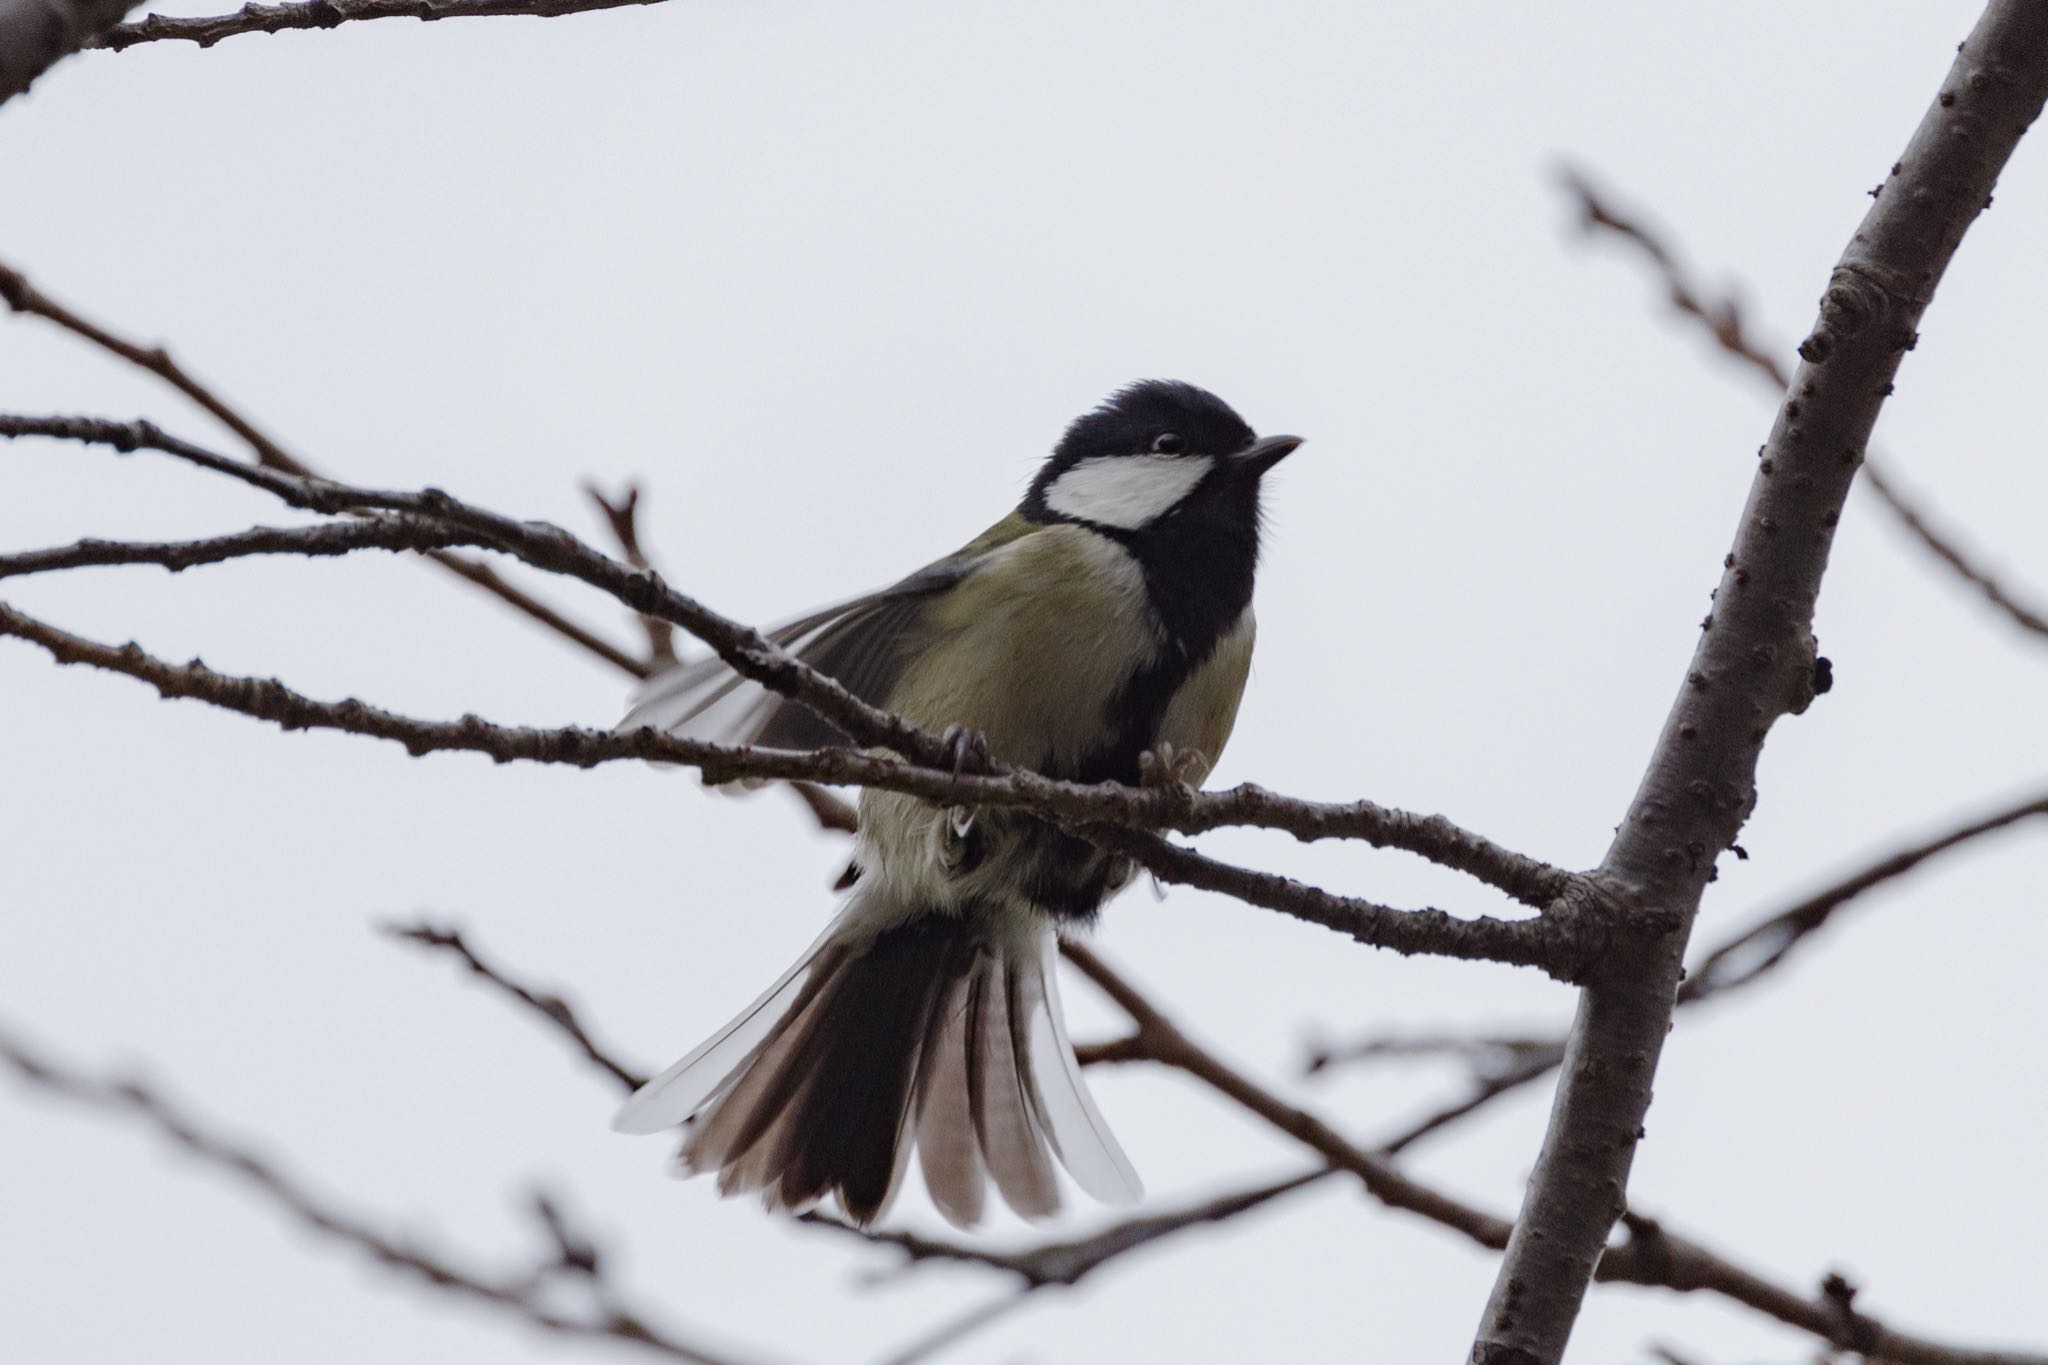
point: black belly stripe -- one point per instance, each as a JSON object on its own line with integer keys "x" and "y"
{"x": 1198, "y": 565}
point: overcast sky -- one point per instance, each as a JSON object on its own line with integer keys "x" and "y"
{"x": 829, "y": 279}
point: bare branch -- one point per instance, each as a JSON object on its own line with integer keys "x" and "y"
{"x": 1176, "y": 807}
{"x": 386, "y": 531}
{"x": 949, "y": 1333}
{"x": 1552, "y": 942}
{"x": 1748, "y": 955}
{"x": 622, "y": 517}
{"x": 255, "y": 18}
{"x": 546, "y": 1004}
{"x": 1487, "y": 1054}
{"x": 1723, "y": 320}
{"x": 1649, "y": 1255}
{"x": 1755, "y": 663}
{"x": 520, "y": 1295}
{"x": 1504, "y": 1065}
{"x": 21, "y": 296}
{"x": 1069, "y": 1262}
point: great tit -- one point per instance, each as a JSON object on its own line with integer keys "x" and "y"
{"x": 1107, "y": 619}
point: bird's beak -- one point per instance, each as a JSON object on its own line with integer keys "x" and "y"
{"x": 1266, "y": 452}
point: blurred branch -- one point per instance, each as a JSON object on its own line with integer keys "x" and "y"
{"x": 546, "y": 1004}
{"x": 525, "y": 1297}
{"x": 1740, "y": 960}
{"x": 1756, "y": 662}
{"x": 1069, "y": 1262}
{"x": 37, "y": 34}
{"x": 255, "y": 18}
{"x": 1648, "y": 1256}
{"x": 1735, "y": 963}
{"x": 1056, "y": 1263}
{"x": 1486, "y": 1053}
{"x": 1648, "y": 1253}
{"x": 23, "y": 297}
{"x": 1722, "y": 318}
{"x": 950, "y": 1332}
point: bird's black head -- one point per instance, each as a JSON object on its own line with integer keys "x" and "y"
{"x": 1169, "y": 472}
{"x": 1155, "y": 451}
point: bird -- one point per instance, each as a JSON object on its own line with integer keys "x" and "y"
{"x": 1102, "y": 631}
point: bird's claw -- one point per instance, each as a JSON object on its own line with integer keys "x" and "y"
{"x": 1166, "y": 766}
{"x": 969, "y": 749}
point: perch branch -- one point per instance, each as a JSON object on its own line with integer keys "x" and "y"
{"x": 1547, "y": 942}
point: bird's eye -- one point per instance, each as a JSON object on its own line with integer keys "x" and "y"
{"x": 1169, "y": 443}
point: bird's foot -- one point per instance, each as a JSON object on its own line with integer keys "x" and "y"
{"x": 969, "y": 749}
{"x": 1169, "y": 767}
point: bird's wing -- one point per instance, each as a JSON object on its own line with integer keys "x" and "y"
{"x": 863, "y": 645}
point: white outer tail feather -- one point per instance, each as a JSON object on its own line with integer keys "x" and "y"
{"x": 1033, "y": 1101}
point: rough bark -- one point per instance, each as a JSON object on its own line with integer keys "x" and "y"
{"x": 1756, "y": 662}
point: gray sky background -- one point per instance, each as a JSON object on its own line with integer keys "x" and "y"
{"x": 829, "y": 279}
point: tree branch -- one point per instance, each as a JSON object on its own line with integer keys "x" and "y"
{"x": 1058, "y": 1264}
{"x": 1507, "y": 1064}
{"x": 1723, "y": 320}
{"x": 1755, "y": 663}
{"x": 1551, "y": 942}
{"x": 23, "y": 297}
{"x": 1650, "y": 1255}
{"x": 524, "y": 1297}
{"x": 546, "y": 1004}
{"x": 1183, "y": 809}
{"x": 255, "y": 18}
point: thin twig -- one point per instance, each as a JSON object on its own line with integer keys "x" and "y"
{"x": 21, "y": 296}
{"x": 548, "y": 547}
{"x": 255, "y": 18}
{"x": 547, "y": 1004}
{"x": 1723, "y": 320}
{"x": 1740, "y": 960}
{"x": 1551, "y": 943}
{"x": 520, "y": 1296}
{"x": 1756, "y": 663}
{"x": 949, "y": 1333}
{"x": 1648, "y": 1254}
{"x": 622, "y": 518}
{"x": 1737, "y": 962}
{"x": 1065, "y": 1263}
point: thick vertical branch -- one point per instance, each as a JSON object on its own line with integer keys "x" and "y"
{"x": 1755, "y": 663}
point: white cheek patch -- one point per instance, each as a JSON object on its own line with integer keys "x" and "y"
{"x": 1126, "y": 491}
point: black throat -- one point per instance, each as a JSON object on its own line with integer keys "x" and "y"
{"x": 1198, "y": 561}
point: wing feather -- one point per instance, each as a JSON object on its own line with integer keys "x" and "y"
{"x": 863, "y": 644}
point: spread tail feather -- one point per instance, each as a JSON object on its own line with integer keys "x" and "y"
{"x": 920, "y": 1035}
